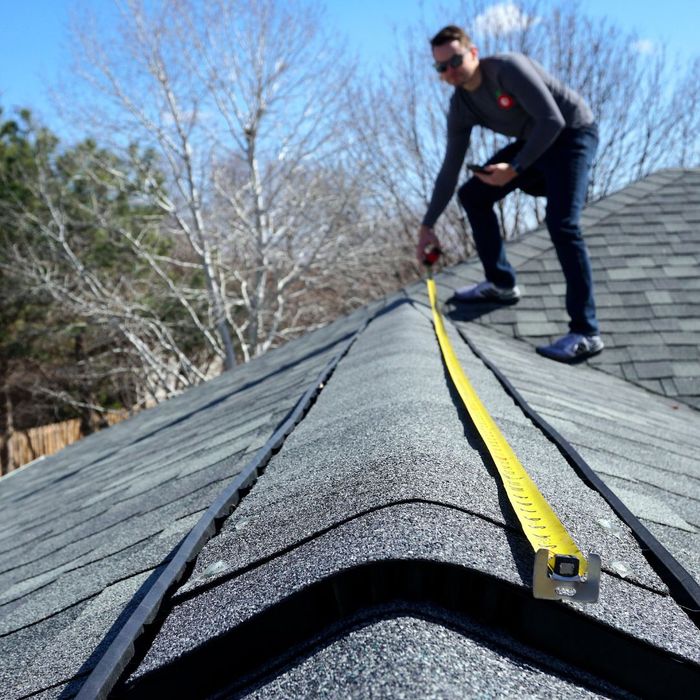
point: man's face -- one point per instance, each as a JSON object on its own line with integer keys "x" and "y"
{"x": 462, "y": 75}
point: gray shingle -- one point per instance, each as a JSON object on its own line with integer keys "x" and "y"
{"x": 300, "y": 525}
{"x": 396, "y": 656}
{"x": 119, "y": 501}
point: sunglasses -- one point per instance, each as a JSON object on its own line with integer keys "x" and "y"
{"x": 454, "y": 62}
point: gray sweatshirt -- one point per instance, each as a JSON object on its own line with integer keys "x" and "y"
{"x": 517, "y": 97}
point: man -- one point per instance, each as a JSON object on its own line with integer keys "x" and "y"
{"x": 556, "y": 140}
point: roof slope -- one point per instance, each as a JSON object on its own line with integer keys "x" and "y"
{"x": 86, "y": 530}
{"x": 645, "y": 449}
{"x": 377, "y": 552}
{"x": 644, "y": 244}
{"x": 385, "y": 469}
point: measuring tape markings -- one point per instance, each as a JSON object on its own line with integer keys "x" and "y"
{"x": 540, "y": 524}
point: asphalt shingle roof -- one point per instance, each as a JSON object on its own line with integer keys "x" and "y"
{"x": 377, "y": 553}
{"x": 362, "y": 480}
{"x": 644, "y": 244}
{"x": 82, "y": 531}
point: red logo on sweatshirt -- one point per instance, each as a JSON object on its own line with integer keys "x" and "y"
{"x": 504, "y": 100}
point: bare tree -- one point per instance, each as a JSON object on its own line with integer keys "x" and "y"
{"x": 246, "y": 222}
{"x": 634, "y": 93}
{"x": 240, "y": 98}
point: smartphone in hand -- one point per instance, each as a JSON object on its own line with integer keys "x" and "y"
{"x": 476, "y": 168}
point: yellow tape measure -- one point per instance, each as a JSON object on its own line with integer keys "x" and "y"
{"x": 556, "y": 550}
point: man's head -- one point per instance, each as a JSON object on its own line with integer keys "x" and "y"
{"x": 456, "y": 58}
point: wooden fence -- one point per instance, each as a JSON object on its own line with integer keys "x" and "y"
{"x": 28, "y": 445}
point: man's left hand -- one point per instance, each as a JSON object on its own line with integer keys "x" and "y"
{"x": 498, "y": 174}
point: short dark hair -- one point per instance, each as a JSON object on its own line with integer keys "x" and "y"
{"x": 451, "y": 33}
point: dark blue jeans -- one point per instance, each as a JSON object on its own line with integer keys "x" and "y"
{"x": 561, "y": 175}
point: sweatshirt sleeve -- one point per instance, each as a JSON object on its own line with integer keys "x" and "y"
{"x": 446, "y": 181}
{"x": 524, "y": 83}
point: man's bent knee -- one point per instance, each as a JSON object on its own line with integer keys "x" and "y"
{"x": 474, "y": 194}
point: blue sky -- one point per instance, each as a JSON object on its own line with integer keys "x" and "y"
{"x": 34, "y": 35}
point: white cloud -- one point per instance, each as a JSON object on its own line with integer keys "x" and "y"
{"x": 645, "y": 46}
{"x": 503, "y": 18}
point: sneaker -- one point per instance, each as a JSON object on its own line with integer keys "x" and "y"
{"x": 487, "y": 291}
{"x": 573, "y": 347}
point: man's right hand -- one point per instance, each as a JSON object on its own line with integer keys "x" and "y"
{"x": 426, "y": 238}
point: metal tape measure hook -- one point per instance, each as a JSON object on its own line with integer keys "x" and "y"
{"x": 562, "y": 582}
